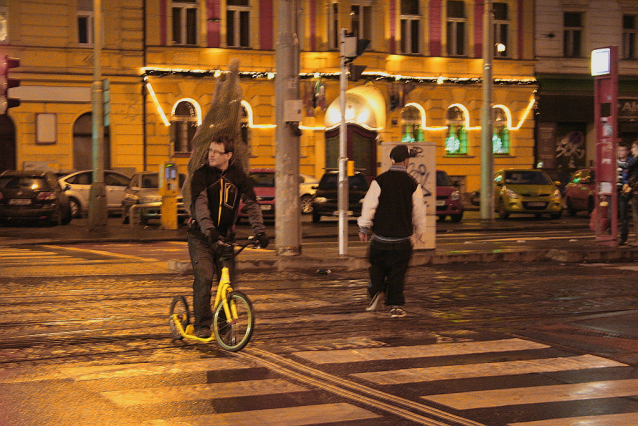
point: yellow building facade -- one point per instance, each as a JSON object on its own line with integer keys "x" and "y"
{"x": 422, "y": 80}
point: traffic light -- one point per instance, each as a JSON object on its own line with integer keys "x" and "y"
{"x": 6, "y": 83}
{"x": 353, "y": 46}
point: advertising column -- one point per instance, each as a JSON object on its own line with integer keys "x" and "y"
{"x": 423, "y": 170}
{"x": 604, "y": 68}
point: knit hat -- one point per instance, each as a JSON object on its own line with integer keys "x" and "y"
{"x": 399, "y": 153}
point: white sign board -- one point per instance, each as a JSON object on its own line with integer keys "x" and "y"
{"x": 423, "y": 170}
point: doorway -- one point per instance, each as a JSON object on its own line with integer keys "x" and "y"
{"x": 361, "y": 148}
{"x": 7, "y": 144}
{"x": 83, "y": 144}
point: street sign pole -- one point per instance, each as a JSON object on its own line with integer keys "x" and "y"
{"x": 343, "y": 153}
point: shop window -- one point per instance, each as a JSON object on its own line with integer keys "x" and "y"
{"x": 456, "y": 140}
{"x": 238, "y": 23}
{"x": 629, "y": 31}
{"x": 183, "y": 127}
{"x": 456, "y": 28}
{"x": 501, "y": 30}
{"x": 572, "y": 33}
{"x": 410, "y": 26}
{"x": 185, "y": 22}
{"x": 361, "y": 20}
{"x": 501, "y": 134}
{"x": 411, "y": 123}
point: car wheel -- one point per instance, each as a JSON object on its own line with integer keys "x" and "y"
{"x": 502, "y": 213}
{"x": 306, "y": 204}
{"x": 67, "y": 217}
{"x": 570, "y": 209}
{"x": 590, "y": 205}
{"x": 316, "y": 218}
{"x": 76, "y": 209}
{"x": 56, "y": 218}
{"x": 556, "y": 215}
{"x": 457, "y": 217}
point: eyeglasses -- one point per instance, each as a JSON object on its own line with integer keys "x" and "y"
{"x": 215, "y": 152}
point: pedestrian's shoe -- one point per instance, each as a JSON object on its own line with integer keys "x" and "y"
{"x": 375, "y": 301}
{"x": 397, "y": 312}
{"x": 202, "y": 332}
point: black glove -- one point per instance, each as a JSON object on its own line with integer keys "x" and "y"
{"x": 212, "y": 236}
{"x": 263, "y": 239}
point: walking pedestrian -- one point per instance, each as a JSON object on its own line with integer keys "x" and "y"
{"x": 624, "y": 194}
{"x": 392, "y": 209}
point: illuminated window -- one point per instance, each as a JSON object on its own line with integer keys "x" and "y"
{"x": 572, "y": 33}
{"x": 501, "y": 134}
{"x": 411, "y": 123}
{"x": 183, "y": 126}
{"x": 410, "y": 26}
{"x": 501, "y": 30}
{"x": 238, "y": 23}
{"x": 185, "y": 22}
{"x": 456, "y": 140}
{"x": 629, "y": 31}
{"x": 85, "y": 22}
{"x": 456, "y": 27}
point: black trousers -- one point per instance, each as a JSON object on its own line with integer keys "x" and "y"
{"x": 207, "y": 263}
{"x": 388, "y": 265}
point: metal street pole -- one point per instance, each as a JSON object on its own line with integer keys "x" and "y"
{"x": 97, "y": 202}
{"x": 287, "y": 116}
{"x": 342, "y": 200}
{"x": 487, "y": 156}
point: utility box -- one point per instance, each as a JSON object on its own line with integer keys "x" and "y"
{"x": 423, "y": 169}
{"x": 169, "y": 189}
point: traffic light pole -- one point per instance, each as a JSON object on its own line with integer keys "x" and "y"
{"x": 342, "y": 198}
{"x": 487, "y": 155}
{"x": 97, "y": 203}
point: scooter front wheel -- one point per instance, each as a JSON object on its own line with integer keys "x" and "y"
{"x": 233, "y": 334}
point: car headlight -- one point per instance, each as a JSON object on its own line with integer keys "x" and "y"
{"x": 320, "y": 200}
{"x": 556, "y": 193}
{"x": 511, "y": 194}
{"x": 151, "y": 199}
{"x": 455, "y": 195}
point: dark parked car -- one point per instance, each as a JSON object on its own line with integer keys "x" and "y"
{"x": 264, "y": 186}
{"x": 144, "y": 189}
{"x": 33, "y": 195}
{"x": 325, "y": 199}
{"x": 580, "y": 191}
{"x": 448, "y": 198}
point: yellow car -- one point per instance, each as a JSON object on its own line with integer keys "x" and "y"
{"x": 526, "y": 191}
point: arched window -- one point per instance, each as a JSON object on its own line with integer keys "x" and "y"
{"x": 501, "y": 134}
{"x": 456, "y": 140}
{"x": 183, "y": 126}
{"x": 411, "y": 123}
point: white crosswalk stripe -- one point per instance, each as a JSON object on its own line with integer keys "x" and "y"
{"x": 466, "y": 365}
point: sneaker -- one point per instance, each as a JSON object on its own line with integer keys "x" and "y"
{"x": 375, "y": 301}
{"x": 397, "y": 312}
{"x": 202, "y": 333}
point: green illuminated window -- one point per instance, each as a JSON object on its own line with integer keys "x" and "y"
{"x": 501, "y": 134}
{"x": 456, "y": 139}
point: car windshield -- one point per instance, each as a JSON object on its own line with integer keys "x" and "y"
{"x": 331, "y": 181}
{"x": 263, "y": 179}
{"x": 442, "y": 179}
{"x": 526, "y": 178}
{"x": 18, "y": 182}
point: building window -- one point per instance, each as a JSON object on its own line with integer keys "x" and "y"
{"x": 238, "y": 23}
{"x": 361, "y": 21}
{"x": 4, "y": 21}
{"x": 501, "y": 30}
{"x": 333, "y": 22}
{"x": 456, "y": 140}
{"x": 410, "y": 26}
{"x": 411, "y": 122}
{"x": 572, "y": 33}
{"x": 85, "y": 22}
{"x": 501, "y": 134}
{"x": 185, "y": 22}
{"x": 629, "y": 31}
{"x": 183, "y": 126}
{"x": 456, "y": 27}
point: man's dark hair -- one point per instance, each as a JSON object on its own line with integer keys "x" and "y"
{"x": 229, "y": 143}
{"x": 624, "y": 145}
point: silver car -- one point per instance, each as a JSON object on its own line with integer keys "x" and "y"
{"x": 77, "y": 187}
{"x": 144, "y": 189}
